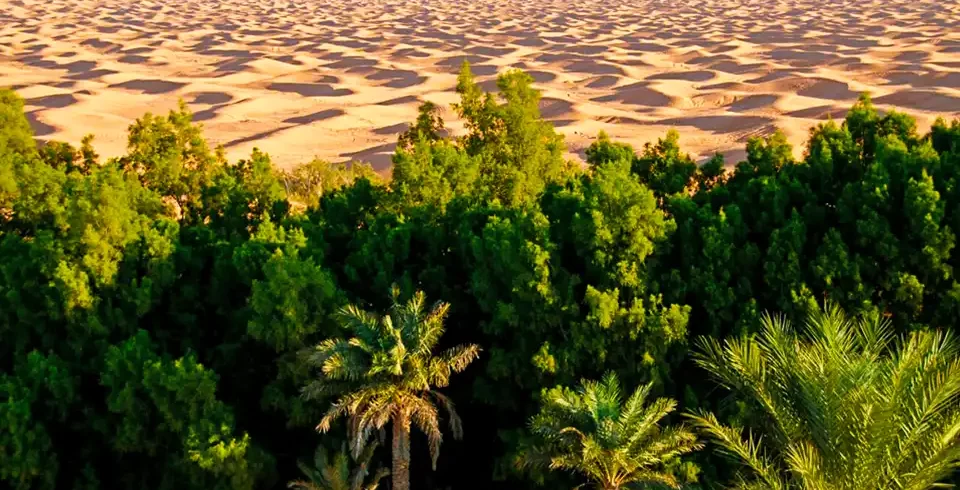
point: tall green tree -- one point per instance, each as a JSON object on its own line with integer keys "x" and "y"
{"x": 842, "y": 404}
{"x": 613, "y": 443}
{"x": 16, "y": 136}
{"x": 94, "y": 401}
{"x": 432, "y": 173}
{"x": 428, "y": 127}
{"x": 170, "y": 156}
{"x": 387, "y": 374}
{"x": 661, "y": 166}
{"x": 519, "y": 152}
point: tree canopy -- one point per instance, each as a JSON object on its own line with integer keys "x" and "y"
{"x": 156, "y": 308}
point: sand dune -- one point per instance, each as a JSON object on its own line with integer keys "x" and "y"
{"x": 340, "y": 79}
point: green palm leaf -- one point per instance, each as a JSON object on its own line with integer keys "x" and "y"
{"x": 387, "y": 374}
{"x": 850, "y": 406}
{"x": 592, "y": 432}
{"x": 335, "y": 473}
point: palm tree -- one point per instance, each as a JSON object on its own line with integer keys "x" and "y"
{"x": 386, "y": 373}
{"x": 848, "y": 406}
{"x": 591, "y": 431}
{"x": 335, "y": 473}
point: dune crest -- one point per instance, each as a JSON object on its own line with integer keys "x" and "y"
{"x": 339, "y": 80}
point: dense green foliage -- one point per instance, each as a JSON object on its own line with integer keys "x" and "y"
{"x": 613, "y": 443}
{"x": 847, "y": 407}
{"x": 154, "y": 308}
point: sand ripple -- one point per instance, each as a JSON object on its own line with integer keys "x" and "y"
{"x": 339, "y": 79}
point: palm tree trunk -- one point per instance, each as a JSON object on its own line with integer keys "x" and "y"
{"x": 401, "y": 452}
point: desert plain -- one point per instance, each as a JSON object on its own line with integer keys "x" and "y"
{"x": 340, "y": 79}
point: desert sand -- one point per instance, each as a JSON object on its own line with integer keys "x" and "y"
{"x": 339, "y": 79}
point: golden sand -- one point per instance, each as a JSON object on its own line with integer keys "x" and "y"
{"x": 340, "y": 79}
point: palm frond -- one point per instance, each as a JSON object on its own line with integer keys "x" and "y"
{"x": 335, "y": 472}
{"x": 807, "y": 466}
{"x": 362, "y": 324}
{"x": 655, "y": 477}
{"x": 533, "y": 456}
{"x": 453, "y": 360}
{"x": 362, "y": 469}
{"x": 320, "y": 389}
{"x": 346, "y": 405}
{"x": 646, "y": 421}
{"x": 850, "y": 406}
{"x": 590, "y": 430}
{"x": 669, "y": 443}
{"x": 431, "y": 328}
{"x": 456, "y": 425}
{"x": 459, "y": 357}
{"x": 303, "y": 485}
{"x": 745, "y": 449}
{"x": 426, "y": 418}
{"x": 387, "y": 371}
{"x": 380, "y": 474}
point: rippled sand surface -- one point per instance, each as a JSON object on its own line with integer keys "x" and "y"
{"x": 340, "y": 79}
